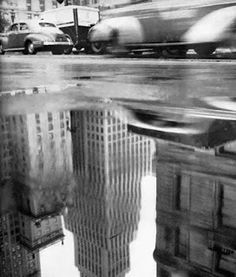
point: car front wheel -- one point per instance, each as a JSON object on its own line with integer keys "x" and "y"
{"x": 204, "y": 50}
{"x": 97, "y": 47}
{"x": 29, "y": 48}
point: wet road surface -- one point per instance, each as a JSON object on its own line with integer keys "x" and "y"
{"x": 117, "y": 167}
{"x": 170, "y": 81}
{"x": 156, "y": 77}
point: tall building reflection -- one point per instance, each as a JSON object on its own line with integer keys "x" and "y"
{"x": 36, "y": 178}
{"x": 109, "y": 163}
{"x": 196, "y": 211}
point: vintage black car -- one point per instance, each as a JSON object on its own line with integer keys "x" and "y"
{"x": 33, "y": 36}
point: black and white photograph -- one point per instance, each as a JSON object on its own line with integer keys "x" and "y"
{"x": 117, "y": 138}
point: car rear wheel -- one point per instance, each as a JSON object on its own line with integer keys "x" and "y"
{"x": 29, "y": 48}
{"x": 57, "y": 52}
{"x": 2, "y": 52}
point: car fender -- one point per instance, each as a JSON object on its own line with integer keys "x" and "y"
{"x": 213, "y": 28}
{"x": 38, "y": 37}
{"x": 128, "y": 28}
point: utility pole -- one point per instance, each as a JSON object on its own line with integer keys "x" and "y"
{"x": 76, "y": 22}
{"x": 99, "y": 13}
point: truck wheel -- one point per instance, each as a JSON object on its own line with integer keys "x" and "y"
{"x": 29, "y": 48}
{"x": 97, "y": 47}
{"x": 76, "y": 51}
{"x": 68, "y": 51}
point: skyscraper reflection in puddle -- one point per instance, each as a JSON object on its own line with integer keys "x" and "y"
{"x": 109, "y": 164}
{"x": 47, "y": 158}
{"x": 196, "y": 211}
{"x": 36, "y": 179}
{"x": 40, "y": 156}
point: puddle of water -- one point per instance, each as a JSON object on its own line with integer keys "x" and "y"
{"x": 84, "y": 165}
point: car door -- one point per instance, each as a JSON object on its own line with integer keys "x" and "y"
{"x": 23, "y": 32}
{"x": 12, "y": 36}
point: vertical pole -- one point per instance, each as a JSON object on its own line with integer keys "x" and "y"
{"x": 12, "y": 16}
{"x": 76, "y": 23}
{"x": 99, "y": 13}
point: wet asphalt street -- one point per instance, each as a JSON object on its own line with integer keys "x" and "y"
{"x": 72, "y": 81}
{"x": 179, "y": 77}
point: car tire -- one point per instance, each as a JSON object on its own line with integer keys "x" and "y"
{"x": 68, "y": 51}
{"x": 2, "y": 52}
{"x": 57, "y": 52}
{"x": 175, "y": 52}
{"x": 97, "y": 47}
{"x": 29, "y": 48}
{"x": 205, "y": 50}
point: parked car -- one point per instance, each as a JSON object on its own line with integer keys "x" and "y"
{"x": 33, "y": 36}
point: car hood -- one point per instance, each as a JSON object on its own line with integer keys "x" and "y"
{"x": 100, "y": 32}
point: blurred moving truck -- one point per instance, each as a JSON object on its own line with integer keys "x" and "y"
{"x": 75, "y": 24}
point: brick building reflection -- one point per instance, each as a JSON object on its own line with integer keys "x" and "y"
{"x": 196, "y": 211}
{"x": 109, "y": 163}
{"x": 36, "y": 166}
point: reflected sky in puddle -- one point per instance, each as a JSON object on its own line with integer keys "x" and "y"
{"x": 75, "y": 195}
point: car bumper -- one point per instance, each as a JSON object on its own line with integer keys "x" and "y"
{"x": 48, "y": 45}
